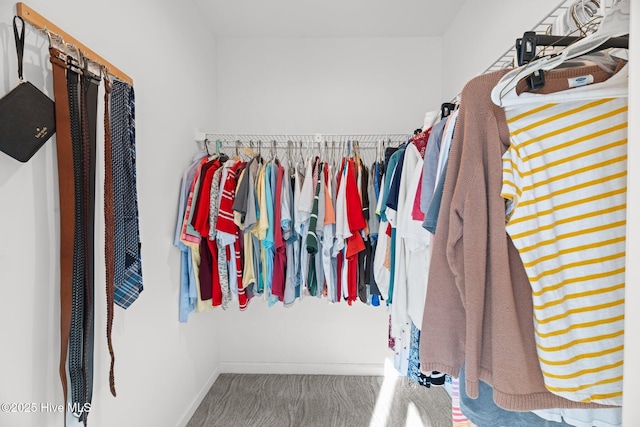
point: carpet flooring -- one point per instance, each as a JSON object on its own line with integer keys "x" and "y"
{"x": 321, "y": 401}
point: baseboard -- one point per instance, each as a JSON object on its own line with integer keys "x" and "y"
{"x": 302, "y": 368}
{"x": 198, "y": 399}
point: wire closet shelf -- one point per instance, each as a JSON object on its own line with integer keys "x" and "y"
{"x": 507, "y": 59}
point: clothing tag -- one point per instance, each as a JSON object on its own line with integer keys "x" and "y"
{"x": 580, "y": 81}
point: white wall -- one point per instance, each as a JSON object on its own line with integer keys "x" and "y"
{"x": 328, "y": 85}
{"x": 309, "y": 85}
{"x": 481, "y": 32}
{"x": 161, "y": 365}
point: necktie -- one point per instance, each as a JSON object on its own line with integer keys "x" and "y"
{"x": 128, "y": 266}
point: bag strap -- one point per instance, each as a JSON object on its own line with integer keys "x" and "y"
{"x": 19, "y": 44}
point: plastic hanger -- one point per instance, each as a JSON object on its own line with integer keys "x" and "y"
{"x": 614, "y": 24}
{"x": 206, "y": 147}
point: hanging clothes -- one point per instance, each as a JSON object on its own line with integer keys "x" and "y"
{"x": 253, "y": 227}
{"x": 188, "y": 292}
{"x": 478, "y": 288}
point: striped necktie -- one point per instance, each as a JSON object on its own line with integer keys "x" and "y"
{"x": 128, "y": 265}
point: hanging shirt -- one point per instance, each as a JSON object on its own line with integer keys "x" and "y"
{"x": 364, "y": 256}
{"x": 201, "y": 224}
{"x": 305, "y": 202}
{"x": 431, "y": 217}
{"x": 381, "y": 272}
{"x": 286, "y": 217}
{"x": 392, "y": 196}
{"x": 249, "y": 274}
{"x": 413, "y": 254}
{"x": 430, "y": 166}
{"x": 228, "y": 232}
{"x": 262, "y": 227}
{"x": 269, "y": 241}
{"x": 300, "y": 229}
{"x": 433, "y": 209}
{"x": 200, "y": 219}
{"x": 420, "y": 141}
{"x": 221, "y": 254}
{"x": 565, "y": 177}
{"x": 356, "y": 221}
{"x": 225, "y": 225}
{"x": 293, "y": 241}
{"x": 191, "y": 238}
{"x": 251, "y": 216}
{"x": 240, "y": 203}
{"x": 374, "y": 225}
{"x": 280, "y": 258}
{"x": 399, "y": 310}
{"x": 188, "y": 234}
{"x": 393, "y": 193}
{"x": 188, "y": 292}
{"x": 328, "y": 236}
{"x": 304, "y": 205}
{"x": 373, "y": 192}
{"x": 447, "y": 138}
{"x": 342, "y": 225}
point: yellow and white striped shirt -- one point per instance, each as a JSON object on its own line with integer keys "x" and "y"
{"x": 564, "y": 178}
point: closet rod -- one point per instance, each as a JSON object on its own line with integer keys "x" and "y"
{"x": 526, "y": 47}
{"x": 41, "y": 23}
{"x": 546, "y": 40}
{"x": 308, "y": 138}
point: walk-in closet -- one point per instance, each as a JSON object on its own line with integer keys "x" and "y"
{"x": 313, "y": 214}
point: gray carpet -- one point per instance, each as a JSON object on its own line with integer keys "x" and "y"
{"x": 321, "y": 401}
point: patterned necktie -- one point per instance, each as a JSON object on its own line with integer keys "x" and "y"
{"x": 128, "y": 265}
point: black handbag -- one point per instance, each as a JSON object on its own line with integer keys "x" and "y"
{"x": 27, "y": 116}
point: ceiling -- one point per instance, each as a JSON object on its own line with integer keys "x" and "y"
{"x": 329, "y": 18}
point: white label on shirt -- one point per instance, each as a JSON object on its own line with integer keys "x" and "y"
{"x": 580, "y": 81}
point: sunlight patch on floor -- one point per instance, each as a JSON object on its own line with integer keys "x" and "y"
{"x": 385, "y": 398}
{"x": 413, "y": 417}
